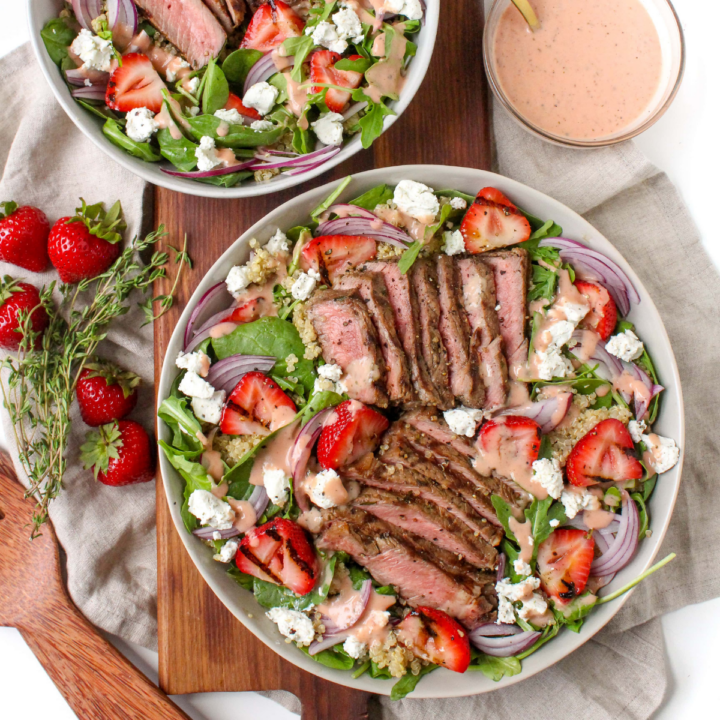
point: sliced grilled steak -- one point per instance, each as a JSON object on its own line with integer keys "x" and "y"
{"x": 348, "y": 338}
{"x": 371, "y": 288}
{"x": 220, "y": 11}
{"x": 405, "y": 311}
{"x": 423, "y": 277}
{"x": 465, "y": 382}
{"x": 402, "y": 480}
{"x": 478, "y": 295}
{"x": 432, "y": 423}
{"x": 511, "y": 270}
{"x": 237, "y": 10}
{"x": 189, "y": 25}
{"x": 392, "y": 560}
{"x": 431, "y": 522}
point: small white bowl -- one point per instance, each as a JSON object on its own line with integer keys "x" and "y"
{"x": 40, "y": 11}
{"x": 671, "y": 423}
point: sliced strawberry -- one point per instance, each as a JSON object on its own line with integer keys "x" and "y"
{"x": 602, "y": 317}
{"x": 352, "y": 430}
{"x": 279, "y": 552}
{"x": 234, "y": 422}
{"x": 435, "y": 637}
{"x": 235, "y": 103}
{"x": 332, "y": 255}
{"x": 246, "y": 313}
{"x": 492, "y": 222}
{"x": 135, "y": 84}
{"x": 564, "y": 561}
{"x": 263, "y": 400}
{"x": 607, "y": 452}
{"x": 271, "y": 25}
{"x": 510, "y": 441}
{"x": 322, "y": 70}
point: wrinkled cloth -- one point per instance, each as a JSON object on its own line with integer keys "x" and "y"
{"x": 108, "y": 534}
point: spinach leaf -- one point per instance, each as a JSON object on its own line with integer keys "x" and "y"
{"x": 379, "y": 673}
{"x": 183, "y": 424}
{"x": 360, "y": 65}
{"x": 469, "y": 199}
{"x": 379, "y": 195}
{"x": 180, "y": 152}
{"x": 573, "y": 614}
{"x": 229, "y": 180}
{"x": 335, "y": 658}
{"x": 358, "y": 575}
{"x": 101, "y": 111}
{"x": 642, "y": 510}
{"x": 647, "y": 487}
{"x": 409, "y": 256}
{"x": 496, "y": 668}
{"x": 238, "y": 136}
{"x": 319, "y": 401}
{"x": 145, "y": 151}
{"x": 57, "y": 36}
{"x": 410, "y": 27}
{"x": 236, "y": 65}
{"x": 300, "y": 47}
{"x": 302, "y": 141}
{"x": 330, "y": 199}
{"x": 242, "y": 579}
{"x": 238, "y": 480}
{"x": 407, "y": 683}
{"x": 270, "y": 595}
{"x": 216, "y": 91}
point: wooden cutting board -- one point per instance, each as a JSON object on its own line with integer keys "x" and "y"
{"x": 202, "y": 646}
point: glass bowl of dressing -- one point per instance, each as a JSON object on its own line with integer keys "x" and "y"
{"x": 593, "y": 74}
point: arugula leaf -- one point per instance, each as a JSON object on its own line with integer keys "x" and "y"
{"x": 386, "y": 590}
{"x": 57, "y": 36}
{"x": 145, "y": 151}
{"x": 496, "y": 668}
{"x": 410, "y": 27}
{"x": 216, "y": 91}
{"x": 101, "y": 111}
{"x": 237, "y": 64}
{"x": 379, "y": 195}
{"x": 544, "y": 282}
{"x": 335, "y": 658}
{"x": 300, "y": 47}
{"x": 504, "y": 513}
{"x": 180, "y": 152}
{"x": 238, "y": 136}
{"x": 573, "y": 614}
{"x": 183, "y": 424}
{"x": 408, "y": 682}
{"x": 360, "y": 65}
{"x": 539, "y": 519}
{"x": 371, "y": 123}
{"x": 330, "y": 199}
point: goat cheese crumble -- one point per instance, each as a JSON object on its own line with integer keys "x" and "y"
{"x": 355, "y": 648}
{"x": 553, "y": 364}
{"x": 457, "y": 203}
{"x": 278, "y": 243}
{"x": 237, "y": 280}
{"x": 326, "y": 34}
{"x": 209, "y": 410}
{"x": 554, "y": 523}
{"x": 574, "y": 502}
{"x": 96, "y": 53}
{"x": 417, "y": 200}
{"x": 211, "y": 510}
{"x": 227, "y": 552}
{"x": 140, "y": 124}
{"x": 329, "y": 129}
{"x": 463, "y": 420}
{"x": 664, "y": 451}
{"x": 231, "y": 116}
{"x": 261, "y": 96}
{"x": 192, "y": 84}
{"x": 304, "y": 285}
{"x": 261, "y": 125}
{"x": 509, "y": 593}
{"x": 293, "y": 624}
{"x": 636, "y": 428}
{"x": 548, "y": 473}
{"x": 194, "y": 386}
{"x": 454, "y": 243}
{"x": 277, "y": 484}
{"x": 317, "y": 491}
{"x": 411, "y": 9}
{"x": 206, "y": 154}
{"x": 171, "y": 75}
{"x": 197, "y": 362}
{"x": 521, "y": 567}
{"x": 575, "y": 312}
{"x": 329, "y": 379}
{"x": 625, "y": 345}
{"x": 348, "y": 25}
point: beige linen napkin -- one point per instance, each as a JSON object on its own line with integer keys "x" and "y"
{"x": 108, "y": 533}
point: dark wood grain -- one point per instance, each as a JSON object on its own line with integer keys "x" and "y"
{"x": 94, "y": 678}
{"x": 202, "y": 646}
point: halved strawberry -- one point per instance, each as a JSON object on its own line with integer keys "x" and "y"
{"x": 352, "y": 430}
{"x": 510, "y": 441}
{"x": 322, "y": 70}
{"x": 493, "y": 221}
{"x": 607, "y": 452}
{"x": 246, "y": 313}
{"x": 234, "y": 422}
{"x": 262, "y": 399}
{"x": 333, "y": 255}
{"x": 436, "y": 637}
{"x": 271, "y": 25}
{"x": 235, "y": 103}
{"x": 279, "y": 552}
{"x": 135, "y": 84}
{"x": 564, "y": 561}
{"x": 602, "y": 317}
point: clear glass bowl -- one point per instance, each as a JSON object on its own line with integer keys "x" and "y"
{"x": 672, "y": 46}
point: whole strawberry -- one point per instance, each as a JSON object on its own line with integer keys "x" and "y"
{"x": 119, "y": 453}
{"x": 86, "y": 244}
{"x": 16, "y": 300}
{"x": 105, "y": 393}
{"x": 24, "y": 236}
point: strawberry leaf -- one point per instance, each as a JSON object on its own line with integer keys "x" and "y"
{"x": 104, "y": 225}
{"x": 100, "y": 447}
{"x": 8, "y": 208}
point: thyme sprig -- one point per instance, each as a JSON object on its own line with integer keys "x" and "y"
{"x": 38, "y": 382}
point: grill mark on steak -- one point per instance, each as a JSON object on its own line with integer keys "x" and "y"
{"x": 406, "y": 312}
{"x": 348, "y": 338}
{"x": 465, "y": 382}
{"x": 371, "y": 288}
{"x": 220, "y": 10}
{"x": 423, "y": 277}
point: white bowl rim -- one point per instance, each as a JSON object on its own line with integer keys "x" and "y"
{"x": 441, "y": 683}
{"x": 151, "y": 173}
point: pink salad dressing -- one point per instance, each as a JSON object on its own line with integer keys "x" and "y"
{"x": 385, "y": 78}
{"x": 373, "y": 623}
{"x": 414, "y": 227}
{"x": 212, "y": 462}
{"x": 523, "y": 532}
{"x": 590, "y": 70}
{"x": 277, "y": 453}
{"x": 245, "y": 516}
{"x": 222, "y": 329}
{"x": 343, "y": 607}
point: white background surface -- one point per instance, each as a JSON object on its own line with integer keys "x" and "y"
{"x": 685, "y": 143}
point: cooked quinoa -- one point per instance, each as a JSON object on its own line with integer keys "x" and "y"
{"x": 386, "y": 251}
{"x": 397, "y": 659}
{"x": 307, "y": 332}
{"x": 233, "y": 447}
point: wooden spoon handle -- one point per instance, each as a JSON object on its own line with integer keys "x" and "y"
{"x": 94, "y": 678}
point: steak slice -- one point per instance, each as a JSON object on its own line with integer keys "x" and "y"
{"x": 189, "y": 25}
{"x": 237, "y": 10}
{"x": 478, "y": 295}
{"x": 406, "y": 313}
{"x": 423, "y": 277}
{"x": 465, "y": 382}
{"x": 431, "y": 522}
{"x": 371, "y": 288}
{"x": 432, "y": 423}
{"x": 220, "y": 10}
{"x": 511, "y": 270}
{"x": 403, "y": 481}
{"x": 348, "y": 339}
{"x": 400, "y": 562}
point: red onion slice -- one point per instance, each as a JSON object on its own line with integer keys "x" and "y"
{"x": 579, "y": 523}
{"x": 215, "y": 172}
{"x": 93, "y": 92}
{"x": 300, "y": 160}
{"x": 623, "y": 547}
{"x": 493, "y": 629}
{"x": 263, "y": 69}
{"x": 216, "y": 319}
{"x": 347, "y": 209}
{"x": 548, "y": 414}
{"x": 197, "y": 340}
{"x": 206, "y": 533}
{"x": 504, "y": 646}
{"x": 603, "y": 544}
{"x": 78, "y": 76}
{"x": 208, "y": 301}
{"x": 304, "y": 443}
{"x": 502, "y": 560}
{"x": 331, "y": 629}
{"x": 609, "y": 367}
{"x": 226, "y": 373}
{"x": 375, "y": 228}
{"x": 86, "y": 11}
{"x": 326, "y": 643}
{"x": 123, "y": 12}
{"x": 641, "y": 403}
{"x": 259, "y": 500}
{"x": 354, "y": 109}
{"x": 308, "y": 168}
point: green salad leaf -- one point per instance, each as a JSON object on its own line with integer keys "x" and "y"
{"x": 335, "y": 658}
{"x": 180, "y": 152}
{"x": 229, "y": 180}
{"x": 237, "y": 64}
{"x": 216, "y": 90}
{"x": 57, "y": 36}
{"x": 143, "y": 150}
{"x": 238, "y": 136}
{"x": 372, "y": 122}
{"x": 495, "y": 668}
{"x": 408, "y": 682}
{"x": 360, "y": 65}
{"x": 379, "y": 195}
{"x": 299, "y": 47}
{"x": 330, "y": 199}
{"x": 183, "y": 424}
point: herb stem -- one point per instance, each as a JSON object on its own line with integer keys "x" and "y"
{"x": 640, "y": 578}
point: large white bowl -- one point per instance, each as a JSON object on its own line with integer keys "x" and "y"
{"x": 40, "y": 11}
{"x": 671, "y": 423}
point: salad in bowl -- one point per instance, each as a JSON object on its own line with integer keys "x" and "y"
{"x": 418, "y": 426}
{"x": 226, "y": 92}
